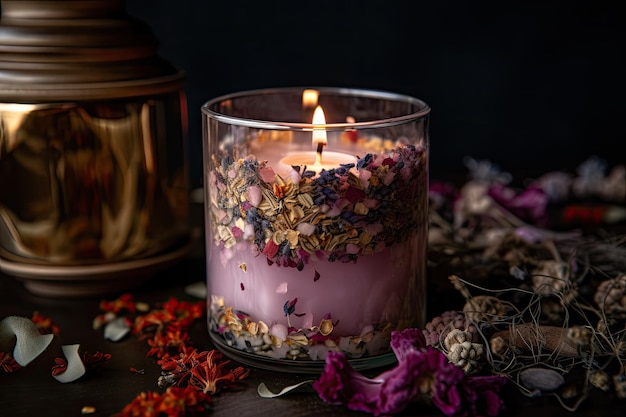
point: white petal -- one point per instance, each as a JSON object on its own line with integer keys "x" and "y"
{"x": 116, "y": 329}
{"x": 264, "y": 392}
{"x": 75, "y": 367}
{"x": 29, "y": 343}
{"x": 197, "y": 289}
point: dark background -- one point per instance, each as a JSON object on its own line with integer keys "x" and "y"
{"x": 530, "y": 85}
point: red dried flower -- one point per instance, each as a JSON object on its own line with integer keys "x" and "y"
{"x": 211, "y": 376}
{"x": 59, "y": 367}
{"x": 165, "y": 330}
{"x": 177, "y": 369}
{"x": 271, "y": 249}
{"x": 175, "y": 402}
{"x": 173, "y": 340}
{"x": 90, "y": 361}
{"x": 8, "y": 363}
{"x": 136, "y": 371}
{"x": 44, "y": 324}
{"x": 185, "y": 312}
{"x": 186, "y": 401}
{"x": 94, "y": 360}
{"x": 152, "y": 321}
{"x": 125, "y": 302}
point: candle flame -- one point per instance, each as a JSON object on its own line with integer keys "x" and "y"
{"x": 309, "y": 98}
{"x": 319, "y": 134}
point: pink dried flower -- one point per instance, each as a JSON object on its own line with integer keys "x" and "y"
{"x": 422, "y": 374}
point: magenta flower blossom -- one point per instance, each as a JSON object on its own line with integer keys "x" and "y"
{"x": 423, "y": 374}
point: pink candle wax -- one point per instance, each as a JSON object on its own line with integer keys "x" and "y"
{"x": 356, "y": 296}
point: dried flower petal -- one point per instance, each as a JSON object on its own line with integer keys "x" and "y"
{"x": 60, "y": 366}
{"x": 197, "y": 289}
{"x": 45, "y": 324}
{"x": 264, "y": 392}
{"x": 94, "y": 360}
{"x": 75, "y": 367}
{"x": 116, "y": 329}
{"x": 211, "y": 376}
{"x": 8, "y": 363}
{"x": 124, "y": 303}
{"x": 421, "y": 374}
{"x": 174, "y": 402}
{"x": 23, "y": 336}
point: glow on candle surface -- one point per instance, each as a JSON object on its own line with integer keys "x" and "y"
{"x": 317, "y": 160}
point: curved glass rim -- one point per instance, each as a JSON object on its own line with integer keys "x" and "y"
{"x": 356, "y": 92}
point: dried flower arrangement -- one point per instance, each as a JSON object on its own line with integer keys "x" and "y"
{"x": 543, "y": 302}
{"x": 538, "y": 308}
{"x": 289, "y": 220}
{"x": 188, "y": 377}
{"x": 541, "y": 308}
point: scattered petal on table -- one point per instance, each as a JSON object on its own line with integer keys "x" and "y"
{"x": 266, "y": 393}
{"x": 75, "y": 367}
{"x": 197, "y": 289}
{"x": 116, "y": 329}
{"x": 29, "y": 343}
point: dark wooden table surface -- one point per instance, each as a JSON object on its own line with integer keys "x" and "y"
{"x": 32, "y": 391}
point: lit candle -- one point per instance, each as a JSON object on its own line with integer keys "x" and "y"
{"x": 317, "y": 160}
{"x": 300, "y": 264}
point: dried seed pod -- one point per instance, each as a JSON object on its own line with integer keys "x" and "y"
{"x": 263, "y": 328}
{"x": 611, "y": 296}
{"x": 531, "y": 338}
{"x": 569, "y": 391}
{"x": 499, "y": 346}
{"x": 456, "y": 336}
{"x": 438, "y": 328}
{"x": 553, "y": 277}
{"x": 483, "y": 308}
{"x": 467, "y": 356}
{"x": 601, "y": 380}
{"x": 580, "y": 335}
{"x": 326, "y": 327}
{"x": 252, "y": 328}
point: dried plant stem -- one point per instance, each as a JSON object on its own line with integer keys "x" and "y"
{"x": 533, "y": 338}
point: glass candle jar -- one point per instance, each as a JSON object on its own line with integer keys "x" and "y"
{"x": 316, "y": 204}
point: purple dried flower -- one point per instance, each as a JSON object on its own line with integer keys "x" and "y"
{"x": 290, "y": 306}
{"x": 529, "y": 204}
{"x": 422, "y": 374}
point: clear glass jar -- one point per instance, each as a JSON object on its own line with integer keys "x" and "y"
{"x": 314, "y": 246}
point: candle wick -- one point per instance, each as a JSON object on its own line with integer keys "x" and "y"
{"x": 318, "y": 155}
